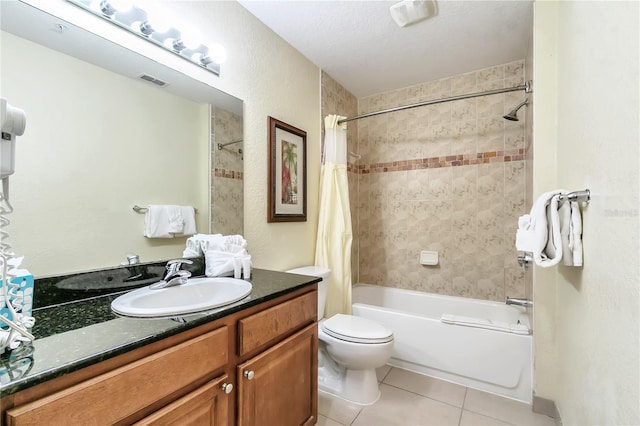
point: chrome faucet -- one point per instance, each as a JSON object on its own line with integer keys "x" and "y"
{"x": 519, "y": 302}
{"x": 174, "y": 275}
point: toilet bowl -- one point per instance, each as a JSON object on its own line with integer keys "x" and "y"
{"x": 350, "y": 349}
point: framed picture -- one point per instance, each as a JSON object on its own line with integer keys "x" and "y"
{"x": 287, "y": 173}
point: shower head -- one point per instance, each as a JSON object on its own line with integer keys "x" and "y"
{"x": 513, "y": 114}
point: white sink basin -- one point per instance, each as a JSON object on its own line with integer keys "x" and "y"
{"x": 198, "y": 294}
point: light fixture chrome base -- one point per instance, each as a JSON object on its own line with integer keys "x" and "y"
{"x": 198, "y": 56}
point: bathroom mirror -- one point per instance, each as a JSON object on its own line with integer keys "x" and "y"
{"x": 104, "y": 134}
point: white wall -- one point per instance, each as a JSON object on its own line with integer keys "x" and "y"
{"x": 95, "y": 144}
{"x": 274, "y": 80}
{"x": 595, "y": 375}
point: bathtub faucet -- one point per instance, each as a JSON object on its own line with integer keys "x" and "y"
{"x": 519, "y": 302}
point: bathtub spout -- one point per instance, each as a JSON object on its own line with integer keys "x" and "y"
{"x": 519, "y": 302}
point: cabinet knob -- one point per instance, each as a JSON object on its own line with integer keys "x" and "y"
{"x": 249, "y": 375}
{"x": 227, "y": 388}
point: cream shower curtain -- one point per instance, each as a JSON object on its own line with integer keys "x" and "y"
{"x": 333, "y": 244}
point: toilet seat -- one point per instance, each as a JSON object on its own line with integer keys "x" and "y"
{"x": 355, "y": 329}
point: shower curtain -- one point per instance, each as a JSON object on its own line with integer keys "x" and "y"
{"x": 333, "y": 243}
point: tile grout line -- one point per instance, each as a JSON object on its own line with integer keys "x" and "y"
{"x": 424, "y": 396}
{"x": 464, "y": 400}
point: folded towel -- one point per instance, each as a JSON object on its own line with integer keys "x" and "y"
{"x": 552, "y": 231}
{"x": 226, "y": 255}
{"x": 484, "y": 323}
{"x": 227, "y": 243}
{"x": 188, "y": 215}
{"x": 163, "y": 221}
{"x": 196, "y": 242}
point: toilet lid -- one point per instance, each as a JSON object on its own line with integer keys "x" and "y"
{"x": 356, "y": 329}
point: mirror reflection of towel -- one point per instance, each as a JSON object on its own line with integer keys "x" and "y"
{"x": 188, "y": 221}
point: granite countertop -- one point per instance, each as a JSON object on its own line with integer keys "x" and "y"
{"x": 72, "y": 334}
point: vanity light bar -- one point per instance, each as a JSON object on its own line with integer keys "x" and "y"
{"x": 132, "y": 18}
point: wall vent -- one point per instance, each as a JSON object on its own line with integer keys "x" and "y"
{"x": 152, "y": 79}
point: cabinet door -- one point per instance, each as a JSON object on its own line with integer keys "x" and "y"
{"x": 280, "y": 386}
{"x": 207, "y": 405}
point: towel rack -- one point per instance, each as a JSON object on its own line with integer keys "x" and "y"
{"x": 222, "y": 145}
{"x": 138, "y": 209}
{"x": 578, "y": 196}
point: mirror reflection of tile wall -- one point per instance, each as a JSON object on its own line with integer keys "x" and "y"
{"x": 227, "y": 186}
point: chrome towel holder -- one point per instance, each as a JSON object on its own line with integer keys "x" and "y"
{"x": 138, "y": 209}
{"x": 577, "y": 196}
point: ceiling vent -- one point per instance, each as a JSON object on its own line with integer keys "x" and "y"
{"x": 409, "y": 12}
{"x": 153, "y": 80}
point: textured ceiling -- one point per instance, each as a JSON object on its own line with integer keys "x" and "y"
{"x": 360, "y": 46}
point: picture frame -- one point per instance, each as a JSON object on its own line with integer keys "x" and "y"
{"x": 287, "y": 200}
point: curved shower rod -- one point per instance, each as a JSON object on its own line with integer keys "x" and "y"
{"x": 527, "y": 87}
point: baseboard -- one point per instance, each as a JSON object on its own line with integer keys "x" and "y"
{"x": 547, "y": 407}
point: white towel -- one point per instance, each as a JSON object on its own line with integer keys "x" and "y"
{"x": 225, "y": 255}
{"x": 575, "y": 240}
{"x": 163, "y": 221}
{"x": 188, "y": 214}
{"x": 195, "y": 244}
{"x": 552, "y": 231}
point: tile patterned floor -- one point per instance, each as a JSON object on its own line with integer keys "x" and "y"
{"x": 410, "y": 399}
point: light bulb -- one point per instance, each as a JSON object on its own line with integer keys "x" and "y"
{"x": 121, "y": 5}
{"x": 201, "y": 58}
{"x": 190, "y": 39}
{"x": 110, "y": 7}
{"x": 158, "y": 21}
{"x": 217, "y": 53}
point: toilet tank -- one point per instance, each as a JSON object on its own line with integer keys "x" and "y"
{"x": 323, "y": 286}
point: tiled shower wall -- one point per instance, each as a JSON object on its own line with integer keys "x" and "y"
{"x": 227, "y": 200}
{"x": 447, "y": 177}
{"x": 337, "y": 100}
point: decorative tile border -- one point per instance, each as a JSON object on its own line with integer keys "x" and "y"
{"x": 229, "y": 174}
{"x": 437, "y": 162}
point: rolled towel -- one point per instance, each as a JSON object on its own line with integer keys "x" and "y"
{"x": 198, "y": 244}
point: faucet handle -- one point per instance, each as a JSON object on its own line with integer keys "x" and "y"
{"x": 175, "y": 264}
{"x": 187, "y": 261}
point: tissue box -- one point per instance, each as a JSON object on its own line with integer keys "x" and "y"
{"x": 25, "y": 292}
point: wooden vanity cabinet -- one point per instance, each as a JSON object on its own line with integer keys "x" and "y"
{"x": 254, "y": 367}
{"x": 278, "y": 385}
{"x": 206, "y": 406}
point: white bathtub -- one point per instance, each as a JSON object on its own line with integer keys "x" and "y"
{"x": 494, "y": 361}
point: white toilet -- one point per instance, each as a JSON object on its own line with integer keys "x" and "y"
{"x": 350, "y": 349}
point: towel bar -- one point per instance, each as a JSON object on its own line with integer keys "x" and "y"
{"x": 578, "y": 196}
{"x": 138, "y": 209}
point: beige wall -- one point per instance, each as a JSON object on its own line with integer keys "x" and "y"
{"x": 449, "y": 178}
{"x": 274, "y": 80}
{"x": 95, "y": 144}
{"x": 587, "y": 341}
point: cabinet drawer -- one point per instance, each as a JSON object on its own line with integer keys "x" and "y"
{"x": 267, "y": 326}
{"x": 116, "y": 395}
